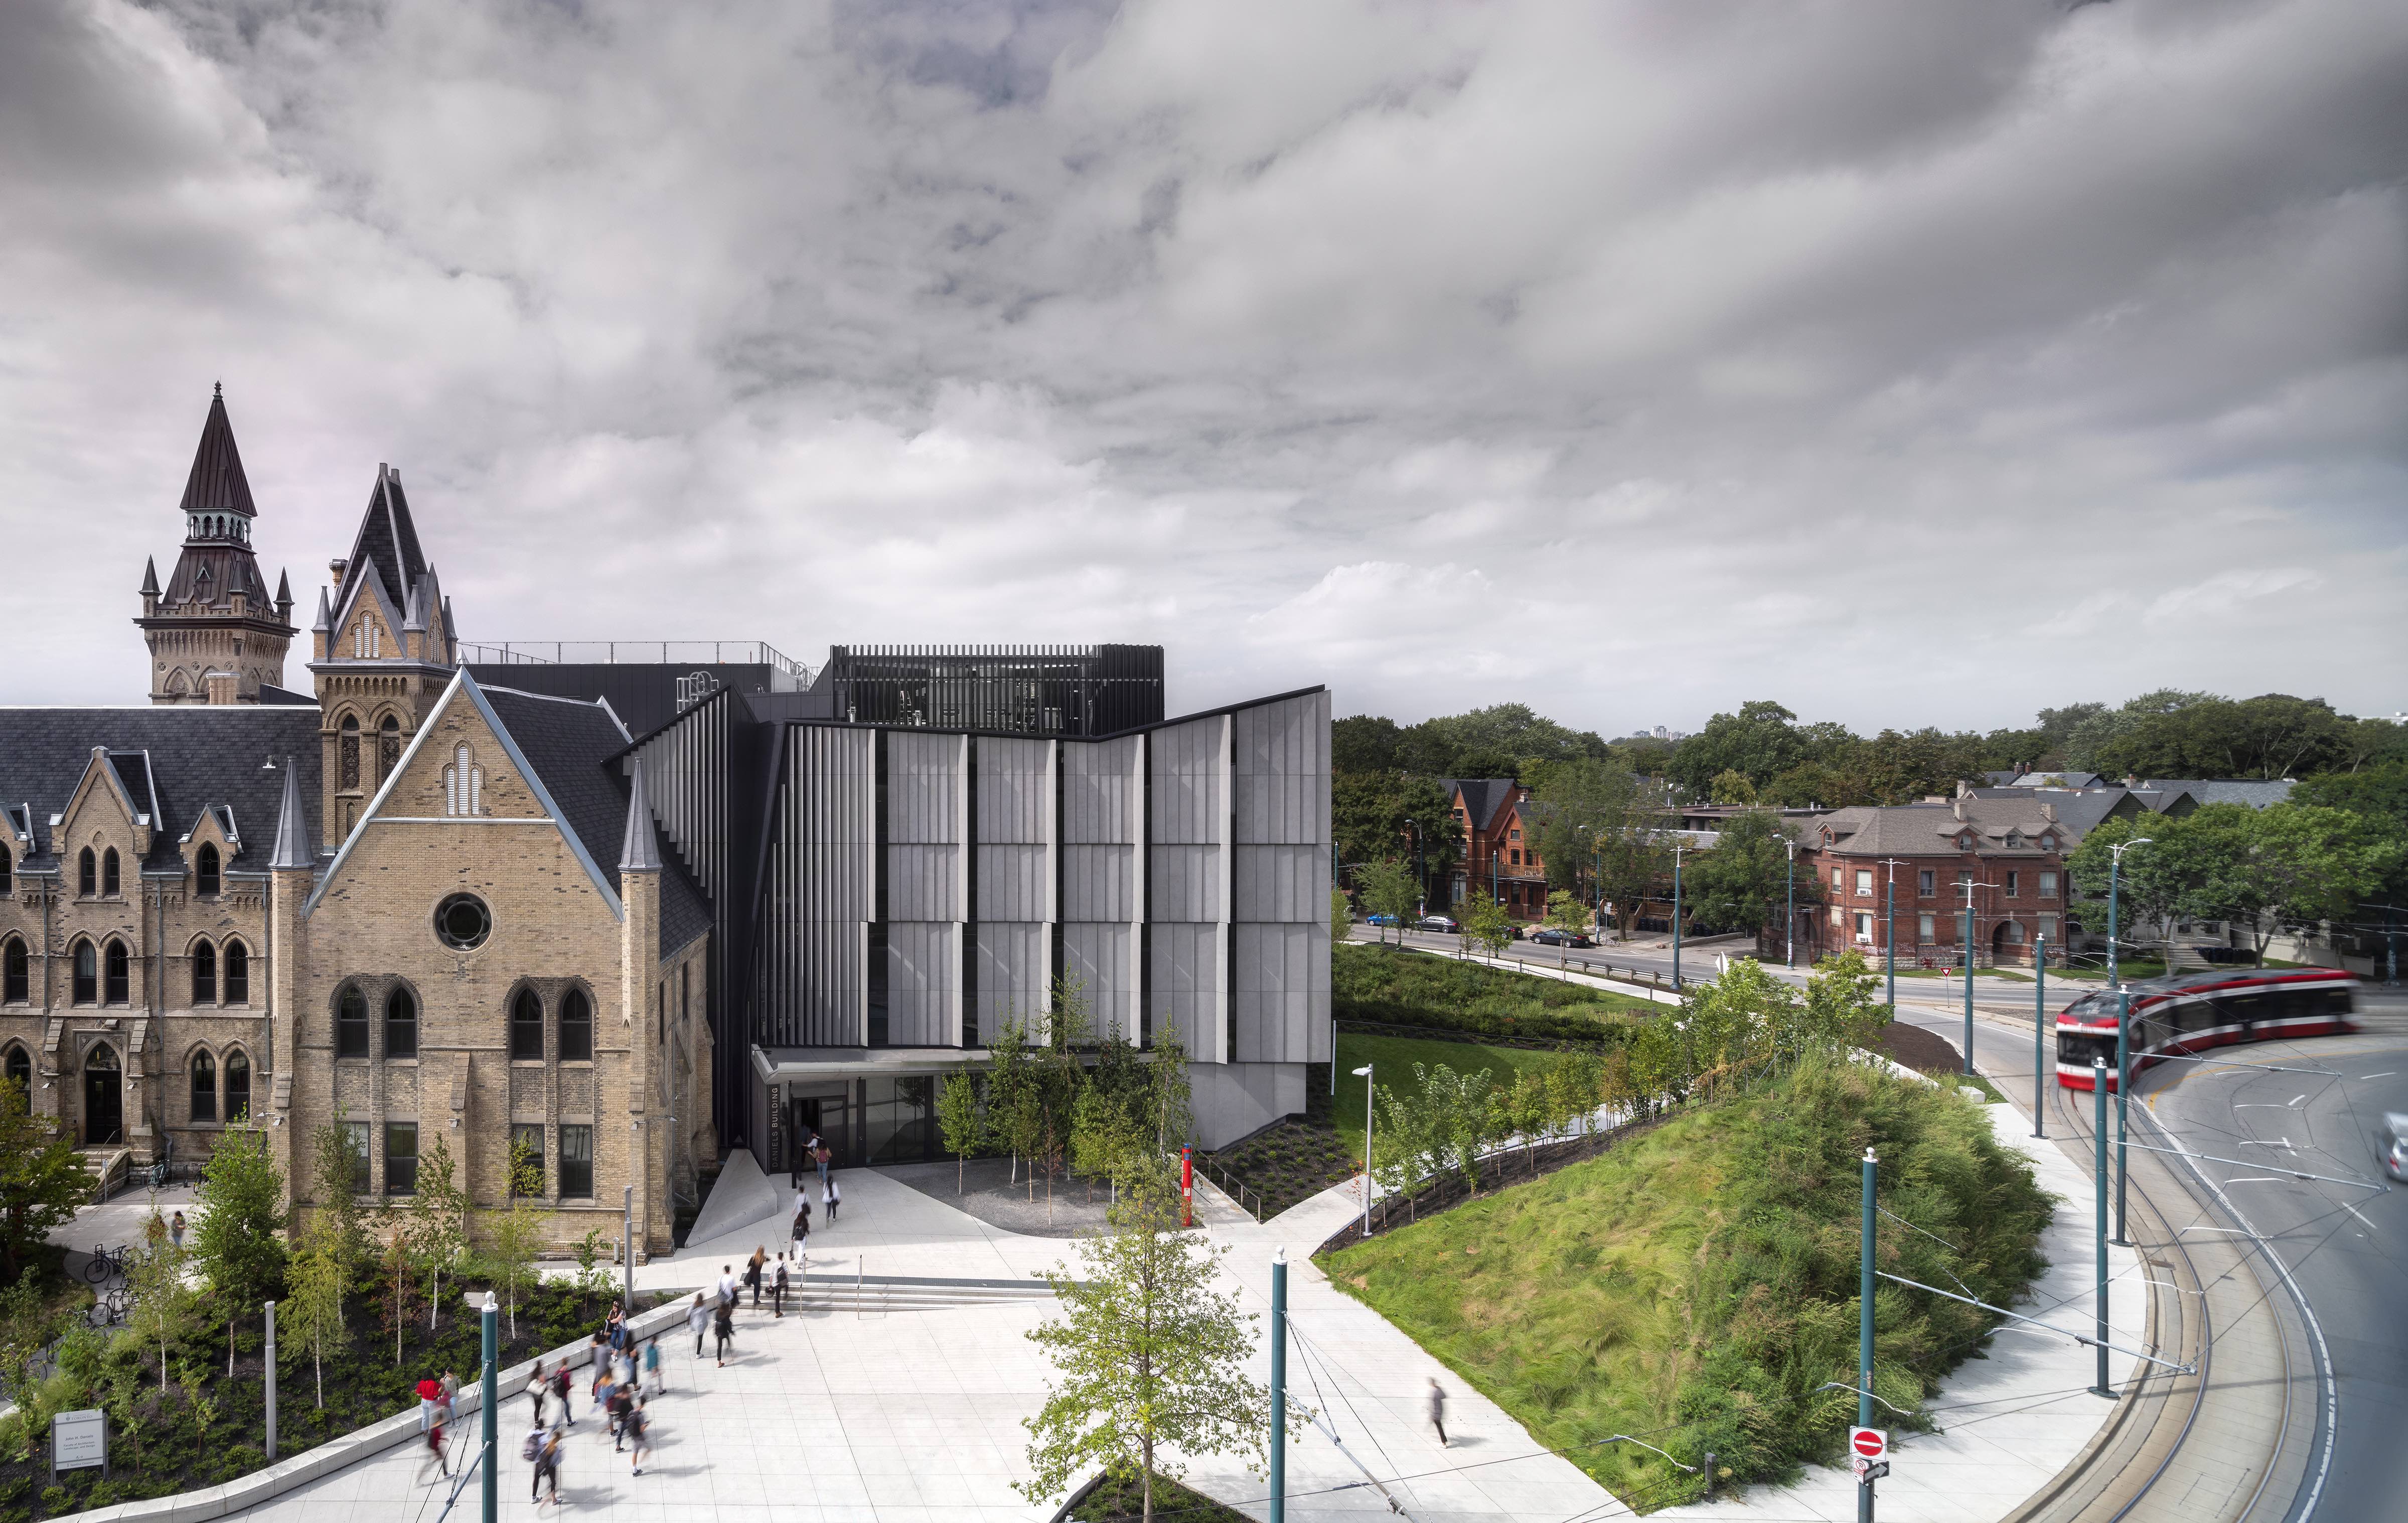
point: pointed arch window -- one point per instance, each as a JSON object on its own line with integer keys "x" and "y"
{"x": 8, "y": 865}
{"x": 387, "y": 747}
{"x": 400, "y": 1024}
{"x": 85, "y": 985}
{"x": 16, "y": 969}
{"x": 207, "y": 877}
{"x": 576, "y": 1027}
{"x": 205, "y": 1087}
{"x": 21, "y": 1068}
{"x": 238, "y": 1087}
{"x": 109, "y": 879}
{"x": 367, "y": 641}
{"x": 352, "y": 1024}
{"x": 238, "y": 974}
{"x": 87, "y": 874}
{"x": 114, "y": 974}
{"x": 346, "y": 752}
{"x": 526, "y": 1027}
{"x": 463, "y": 784}
{"x": 205, "y": 974}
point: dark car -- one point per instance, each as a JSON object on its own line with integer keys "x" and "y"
{"x": 1441, "y": 922}
{"x": 1551, "y": 936}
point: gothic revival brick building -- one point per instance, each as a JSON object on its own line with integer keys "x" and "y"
{"x": 434, "y": 902}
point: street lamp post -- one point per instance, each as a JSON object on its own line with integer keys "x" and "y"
{"x": 1677, "y": 849}
{"x": 1364, "y": 1073}
{"x": 2114, "y": 874}
{"x": 2040, "y": 1026}
{"x": 1789, "y": 927}
{"x": 1970, "y": 887}
{"x": 1889, "y": 931}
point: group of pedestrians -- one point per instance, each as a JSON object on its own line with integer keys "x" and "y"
{"x": 435, "y": 1401}
{"x": 625, "y": 1378}
{"x": 831, "y": 1196}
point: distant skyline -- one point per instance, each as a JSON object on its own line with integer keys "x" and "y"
{"x": 1909, "y": 365}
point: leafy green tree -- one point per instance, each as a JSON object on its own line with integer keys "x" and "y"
{"x": 1735, "y": 884}
{"x": 1528, "y": 1110}
{"x": 398, "y": 1287}
{"x": 1149, "y": 1359}
{"x": 313, "y": 1309}
{"x": 336, "y": 1168}
{"x": 1407, "y": 1144}
{"x": 1362, "y": 743}
{"x": 438, "y": 1221}
{"x": 1463, "y": 1115}
{"x": 2087, "y": 741}
{"x": 1843, "y": 1005}
{"x": 1756, "y": 742}
{"x": 1485, "y": 923}
{"x": 1566, "y": 914}
{"x": 1388, "y": 889}
{"x": 2379, "y": 794}
{"x": 1578, "y": 809}
{"x": 2154, "y": 879}
{"x": 1168, "y": 1092}
{"x": 1369, "y": 815}
{"x": 2274, "y": 735}
{"x": 1341, "y": 917}
{"x": 164, "y": 1305}
{"x": 42, "y": 1179}
{"x": 234, "y": 1241}
{"x": 958, "y": 1122}
{"x": 1731, "y": 786}
{"x": 514, "y": 1230}
{"x": 2285, "y": 866}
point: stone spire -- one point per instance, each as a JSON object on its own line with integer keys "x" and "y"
{"x": 292, "y": 852}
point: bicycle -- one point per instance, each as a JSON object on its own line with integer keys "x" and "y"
{"x": 106, "y": 1264}
{"x": 110, "y": 1309}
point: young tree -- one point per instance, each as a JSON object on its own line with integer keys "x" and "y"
{"x": 162, "y": 1303}
{"x": 234, "y": 1242}
{"x": 42, "y": 1180}
{"x": 1485, "y": 921}
{"x": 1168, "y": 1092}
{"x": 1148, "y": 1359}
{"x": 335, "y": 1168}
{"x": 514, "y": 1231}
{"x": 1406, "y": 1147}
{"x": 1341, "y": 917}
{"x": 1844, "y": 1006}
{"x": 439, "y": 1221}
{"x": 313, "y": 1307}
{"x": 396, "y": 1287}
{"x": 1008, "y": 1079}
{"x": 958, "y": 1122}
{"x": 1462, "y": 1116}
{"x": 1388, "y": 889}
{"x": 1568, "y": 914}
{"x": 1531, "y": 1111}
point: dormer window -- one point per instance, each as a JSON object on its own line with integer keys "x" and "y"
{"x": 1965, "y": 843}
{"x": 206, "y": 878}
{"x": 2048, "y": 843}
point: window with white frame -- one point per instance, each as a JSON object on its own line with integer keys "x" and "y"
{"x": 1925, "y": 930}
{"x": 464, "y": 785}
{"x": 1864, "y": 881}
{"x": 367, "y": 641}
{"x": 1865, "y": 926}
{"x": 2048, "y": 886}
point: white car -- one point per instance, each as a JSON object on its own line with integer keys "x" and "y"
{"x": 2394, "y": 1141}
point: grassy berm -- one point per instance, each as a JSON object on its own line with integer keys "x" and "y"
{"x": 1694, "y": 1287}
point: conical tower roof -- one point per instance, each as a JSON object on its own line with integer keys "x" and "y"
{"x": 216, "y": 483}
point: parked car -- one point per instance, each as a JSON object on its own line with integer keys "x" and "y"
{"x": 1381, "y": 920}
{"x": 2394, "y": 1138}
{"x": 1551, "y": 936}
{"x": 1441, "y": 922}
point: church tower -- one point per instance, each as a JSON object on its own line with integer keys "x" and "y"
{"x": 215, "y": 636}
{"x": 381, "y": 649}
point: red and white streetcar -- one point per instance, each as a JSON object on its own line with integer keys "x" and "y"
{"x": 2192, "y": 1011}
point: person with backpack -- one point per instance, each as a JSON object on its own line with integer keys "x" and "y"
{"x": 780, "y": 1291}
{"x": 724, "y": 1330}
{"x": 752, "y": 1273}
{"x": 640, "y": 1438}
{"x": 622, "y": 1403}
{"x": 531, "y": 1450}
{"x": 560, "y": 1385}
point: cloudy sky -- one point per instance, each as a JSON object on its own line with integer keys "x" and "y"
{"x": 1908, "y": 362}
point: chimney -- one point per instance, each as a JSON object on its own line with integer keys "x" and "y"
{"x": 336, "y": 567}
{"x": 1959, "y": 807}
{"x": 2048, "y": 812}
{"x": 1963, "y": 787}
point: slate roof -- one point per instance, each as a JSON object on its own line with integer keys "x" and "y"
{"x": 2043, "y": 778}
{"x": 2249, "y": 791}
{"x": 1930, "y": 830}
{"x": 1484, "y": 797}
{"x": 188, "y": 759}
{"x": 216, "y": 483}
{"x": 387, "y": 544}
{"x": 2079, "y": 813}
{"x": 571, "y": 744}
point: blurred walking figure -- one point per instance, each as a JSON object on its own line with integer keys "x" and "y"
{"x": 824, "y": 1157}
{"x": 724, "y": 1330}
{"x": 434, "y": 1460}
{"x": 1437, "y": 1410}
{"x": 698, "y": 1316}
{"x": 640, "y": 1438}
{"x": 835, "y": 1197}
{"x": 753, "y": 1273}
{"x": 779, "y": 1293}
{"x": 652, "y": 1381}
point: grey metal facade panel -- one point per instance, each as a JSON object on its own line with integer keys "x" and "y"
{"x": 1100, "y": 883}
{"x": 1101, "y": 800}
{"x": 1099, "y": 956}
{"x": 831, "y": 1007}
{"x": 1184, "y": 884}
{"x": 1015, "y": 882}
{"x": 1189, "y": 783}
{"x": 1014, "y": 967}
{"x": 1280, "y": 884}
{"x": 1280, "y": 761}
{"x": 1282, "y": 992}
{"x": 925, "y": 787}
{"x": 1185, "y": 967}
{"x": 836, "y": 789}
{"x": 1015, "y": 791}
{"x": 924, "y": 882}
{"x": 923, "y": 984}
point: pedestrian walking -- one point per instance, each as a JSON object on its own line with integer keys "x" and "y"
{"x": 560, "y": 1383}
{"x": 752, "y": 1273}
{"x": 825, "y": 1156}
{"x": 698, "y": 1316}
{"x": 547, "y": 1465}
{"x": 780, "y": 1291}
{"x": 623, "y": 1403}
{"x": 640, "y": 1438}
{"x": 531, "y": 1450}
{"x": 835, "y": 1197}
{"x": 724, "y": 1330}
{"x": 1437, "y": 1410}
{"x": 176, "y": 1228}
{"x": 433, "y": 1460}
{"x": 652, "y": 1379}
{"x": 537, "y": 1383}
{"x": 428, "y": 1390}
{"x": 451, "y": 1396}
{"x": 730, "y": 1287}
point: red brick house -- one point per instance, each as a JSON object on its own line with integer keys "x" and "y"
{"x": 1498, "y": 855}
{"x": 2010, "y": 852}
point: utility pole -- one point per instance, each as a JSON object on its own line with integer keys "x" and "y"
{"x": 1865, "y": 1334}
{"x": 1970, "y": 887}
{"x": 1789, "y": 927}
{"x": 2115, "y": 875}
{"x": 2099, "y": 1215}
{"x": 1279, "y": 1387}
{"x": 1889, "y": 931}
{"x": 491, "y": 1403}
{"x": 2039, "y": 1028}
{"x": 1677, "y": 849}
{"x": 627, "y": 1250}
{"x": 271, "y": 1382}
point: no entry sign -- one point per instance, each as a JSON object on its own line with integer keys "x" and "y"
{"x": 1868, "y": 1443}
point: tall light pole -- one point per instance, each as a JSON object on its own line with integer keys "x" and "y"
{"x": 1279, "y": 1387}
{"x": 1865, "y": 1332}
{"x": 2040, "y": 1027}
{"x": 1364, "y": 1073}
{"x": 2114, "y": 872}
{"x": 1889, "y": 930}
{"x": 1970, "y": 887}
{"x": 1677, "y": 849}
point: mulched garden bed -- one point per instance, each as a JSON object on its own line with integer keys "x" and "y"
{"x": 1925, "y": 1052}
{"x": 1290, "y": 1162}
{"x": 1123, "y": 1501}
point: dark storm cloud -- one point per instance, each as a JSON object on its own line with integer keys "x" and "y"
{"x": 1909, "y": 362}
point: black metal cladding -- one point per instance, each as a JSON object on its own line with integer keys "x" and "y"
{"x": 1065, "y": 690}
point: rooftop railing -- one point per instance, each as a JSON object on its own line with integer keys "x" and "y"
{"x": 668, "y": 653}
